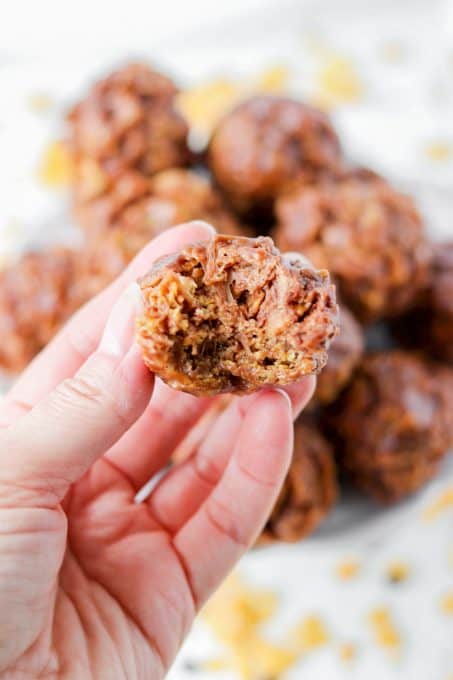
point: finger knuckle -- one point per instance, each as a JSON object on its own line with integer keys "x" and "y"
{"x": 225, "y": 521}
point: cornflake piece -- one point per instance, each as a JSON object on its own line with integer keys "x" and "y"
{"x": 348, "y": 652}
{"x": 384, "y": 630}
{"x": 347, "y": 569}
{"x": 446, "y": 603}
{"x": 311, "y": 633}
{"x": 397, "y": 572}
{"x": 442, "y": 503}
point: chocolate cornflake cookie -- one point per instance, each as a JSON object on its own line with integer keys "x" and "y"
{"x": 232, "y": 315}
{"x": 430, "y": 324}
{"x": 266, "y": 143}
{"x": 345, "y": 353}
{"x": 127, "y": 123}
{"x": 150, "y": 205}
{"x": 310, "y": 488}
{"x": 393, "y": 424}
{"x": 368, "y": 235}
{"x": 35, "y": 300}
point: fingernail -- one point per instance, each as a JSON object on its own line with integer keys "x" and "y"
{"x": 119, "y": 331}
{"x": 283, "y": 393}
{"x": 204, "y": 225}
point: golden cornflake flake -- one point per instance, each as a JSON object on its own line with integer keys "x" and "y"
{"x": 56, "y": 169}
{"x": 446, "y": 603}
{"x": 442, "y": 503}
{"x": 439, "y": 151}
{"x": 338, "y": 82}
{"x": 310, "y": 634}
{"x": 347, "y": 570}
{"x": 384, "y": 630}
{"x": 348, "y": 652}
{"x": 204, "y": 105}
{"x": 273, "y": 80}
{"x": 397, "y": 571}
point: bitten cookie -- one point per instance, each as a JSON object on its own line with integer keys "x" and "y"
{"x": 232, "y": 315}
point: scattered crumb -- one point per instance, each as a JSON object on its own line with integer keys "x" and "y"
{"x": 393, "y": 51}
{"x": 235, "y": 615}
{"x": 56, "y": 167}
{"x": 273, "y": 80}
{"x": 439, "y": 151}
{"x": 310, "y": 634}
{"x": 442, "y": 503}
{"x": 347, "y": 570}
{"x": 348, "y": 652}
{"x": 205, "y": 104}
{"x": 338, "y": 81}
{"x": 40, "y": 102}
{"x": 446, "y": 603}
{"x": 384, "y": 630}
{"x": 397, "y": 572}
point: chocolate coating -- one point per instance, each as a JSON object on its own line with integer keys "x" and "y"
{"x": 393, "y": 424}
{"x": 36, "y": 297}
{"x": 309, "y": 491}
{"x": 368, "y": 235}
{"x": 233, "y": 315}
{"x": 266, "y": 143}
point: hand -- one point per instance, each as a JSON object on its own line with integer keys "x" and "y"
{"x": 92, "y": 583}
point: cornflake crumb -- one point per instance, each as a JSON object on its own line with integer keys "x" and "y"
{"x": 446, "y": 603}
{"x": 273, "y": 79}
{"x": 56, "y": 169}
{"x": 348, "y": 652}
{"x": 310, "y": 634}
{"x": 205, "y": 104}
{"x": 235, "y": 615}
{"x": 397, "y": 571}
{"x": 347, "y": 570}
{"x": 442, "y": 503}
{"x": 338, "y": 81}
{"x": 40, "y": 102}
{"x": 384, "y": 630}
{"x": 439, "y": 151}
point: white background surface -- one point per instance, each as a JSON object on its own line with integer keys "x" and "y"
{"x": 57, "y": 47}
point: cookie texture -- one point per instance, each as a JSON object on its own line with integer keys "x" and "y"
{"x": 232, "y": 315}
{"x": 368, "y": 235}
{"x": 267, "y": 143}
{"x": 393, "y": 424}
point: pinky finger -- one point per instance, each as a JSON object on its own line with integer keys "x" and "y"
{"x": 230, "y": 519}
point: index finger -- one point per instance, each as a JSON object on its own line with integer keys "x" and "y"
{"x": 66, "y": 353}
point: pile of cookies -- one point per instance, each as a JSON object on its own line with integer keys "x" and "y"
{"x": 273, "y": 166}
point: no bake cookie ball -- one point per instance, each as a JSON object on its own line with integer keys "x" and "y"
{"x": 232, "y": 315}
{"x": 265, "y": 144}
{"x": 309, "y": 491}
{"x": 393, "y": 424}
{"x": 366, "y": 233}
{"x": 36, "y": 297}
{"x": 127, "y": 123}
